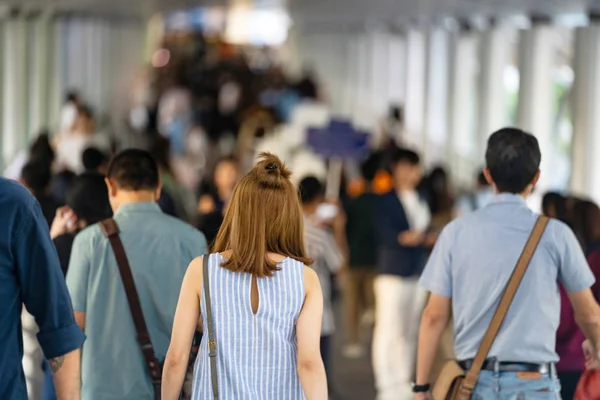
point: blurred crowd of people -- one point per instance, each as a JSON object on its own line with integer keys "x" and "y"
{"x": 371, "y": 240}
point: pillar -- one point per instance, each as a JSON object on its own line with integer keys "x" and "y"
{"x": 462, "y": 107}
{"x": 494, "y": 57}
{"x": 40, "y": 75}
{"x": 536, "y": 91}
{"x": 436, "y": 113}
{"x": 586, "y": 119}
{"x": 414, "y": 112}
{"x": 14, "y": 127}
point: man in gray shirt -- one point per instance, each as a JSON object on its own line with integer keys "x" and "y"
{"x": 470, "y": 266}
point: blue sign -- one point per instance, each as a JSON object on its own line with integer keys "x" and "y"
{"x": 339, "y": 139}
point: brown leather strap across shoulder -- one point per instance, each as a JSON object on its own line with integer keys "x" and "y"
{"x": 111, "y": 231}
{"x": 509, "y": 294}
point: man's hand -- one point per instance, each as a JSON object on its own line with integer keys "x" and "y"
{"x": 423, "y": 396}
{"x": 592, "y": 356}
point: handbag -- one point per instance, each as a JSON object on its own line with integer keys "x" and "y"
{"x": 212, "y": 344}
{"x": 454, "y": 383}
{"x": 110, "y": 229}
{"x": 588, "y": 387}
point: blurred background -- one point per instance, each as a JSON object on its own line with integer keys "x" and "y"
{"x": 315, "y": 81}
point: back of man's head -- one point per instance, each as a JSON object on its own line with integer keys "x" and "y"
{"x": 513, "y": 159}
{"x": 36, "y": 177}
{"x": 133, "y": 170}
{"x": 93, "y": 159}
{"x": 370, "y": 167}
{"x": 406, "y": 156}
{"x": 311, "y": 190}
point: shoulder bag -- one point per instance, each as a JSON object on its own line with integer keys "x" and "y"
{"x": 110, "y": 229}
{"x": 454, "y": 383}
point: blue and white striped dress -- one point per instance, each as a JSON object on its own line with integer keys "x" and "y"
{"x": 256, "y": 354}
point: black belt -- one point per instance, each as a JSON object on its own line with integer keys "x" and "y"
{"x": 508, "y": 366}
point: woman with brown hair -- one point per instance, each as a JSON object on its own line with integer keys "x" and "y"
{"x": 267, "y": 304}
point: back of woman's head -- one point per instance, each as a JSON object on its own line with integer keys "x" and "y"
{"x": 263, "y": 216}
{"x": 88, "y": 197}
{"x": 41, "y": 150}
{"x": 586, "y": 222}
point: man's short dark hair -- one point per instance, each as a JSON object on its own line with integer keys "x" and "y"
{"x": 513, "y": 158}
{"x": 88, "y": 197}
{"x": 370, "y": 167}
{"x": 134, "y": 169}
{"x": 405, "y": 156}
{"x": 310, "y": 189}
{"x": 93, "y": 159}
{"x": 36, "y": 176}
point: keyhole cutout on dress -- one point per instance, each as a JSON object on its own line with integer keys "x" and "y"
{"x": 254, "y": 298}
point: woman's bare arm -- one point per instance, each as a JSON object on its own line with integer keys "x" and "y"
{"x": 308, "y": 330}
{"x": 184, "y": 327}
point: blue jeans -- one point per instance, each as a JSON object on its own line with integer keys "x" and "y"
{"x": 509, "y": 386}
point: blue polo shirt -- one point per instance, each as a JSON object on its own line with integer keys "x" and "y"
{"x": 30, "y": 274}
{"x": 474, "y": 259}
{"x": 159, "y": 249}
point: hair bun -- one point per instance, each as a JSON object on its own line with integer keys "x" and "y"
{"x": 271, "y": 167}
{"x": 271, "y": 170}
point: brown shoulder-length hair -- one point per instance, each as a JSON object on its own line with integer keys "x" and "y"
{"x": 264, "y": 216}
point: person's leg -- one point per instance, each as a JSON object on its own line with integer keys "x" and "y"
{"x": 325, "y": 342}
{"x": 412, "y": 300}
{"x": 351, "y": 300}
{"x": 387, "y": 346}
{"x": 568, "y": 383}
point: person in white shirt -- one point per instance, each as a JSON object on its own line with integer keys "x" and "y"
{"x": 70, "y": 147}
{"x": 402, "y": 220}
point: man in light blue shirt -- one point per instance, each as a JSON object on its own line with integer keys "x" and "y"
{"x": 159, "y": 249}
{"x": 471, "y": 265}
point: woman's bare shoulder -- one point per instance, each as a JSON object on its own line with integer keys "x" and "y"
{"x": 311, "y": 279}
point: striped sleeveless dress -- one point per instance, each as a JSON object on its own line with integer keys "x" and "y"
{"x": 256, "y": 354}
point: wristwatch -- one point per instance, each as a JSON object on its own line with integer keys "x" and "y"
{"x": 421, "y": 388}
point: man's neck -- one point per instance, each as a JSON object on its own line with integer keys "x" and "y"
{"x": 131, "y": 197}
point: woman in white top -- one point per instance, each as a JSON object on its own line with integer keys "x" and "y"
{"x": 267, "y": 304}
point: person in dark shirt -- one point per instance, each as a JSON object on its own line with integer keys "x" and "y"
{"x": 30, "y": 275}
{"x": 36, "y": 177}
{"x": 360, "y": 232}
{"x": 87, "y": 204}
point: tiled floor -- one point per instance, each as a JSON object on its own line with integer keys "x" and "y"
{"x": 351, "y": 379}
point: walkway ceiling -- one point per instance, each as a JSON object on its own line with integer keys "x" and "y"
{"x": 326, "y": 10}
{"x": 407, "y": 10}
{"x": 127, "y": 8}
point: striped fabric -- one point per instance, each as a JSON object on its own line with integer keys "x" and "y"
{"x": 257, "y": 354}
{"x": 328, "y": 259}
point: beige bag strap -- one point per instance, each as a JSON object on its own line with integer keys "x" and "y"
{"x": 509, "y": 294}
{"x": 212, "y": 344}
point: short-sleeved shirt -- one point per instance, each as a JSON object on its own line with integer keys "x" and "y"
{"x": 159, "y": 249}
{"x": 328, "y": 259}
{"x": 472, "y": 262}
{"x": 30, "y": 274}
